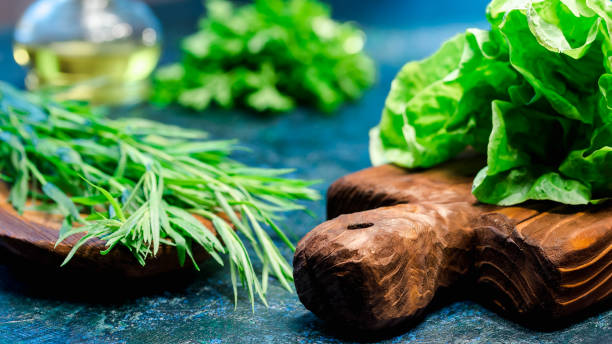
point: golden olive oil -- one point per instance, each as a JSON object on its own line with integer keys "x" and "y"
{"x": 103, "y": 73}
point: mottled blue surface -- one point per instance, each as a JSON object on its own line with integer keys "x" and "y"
{"x": 201, "y": 309}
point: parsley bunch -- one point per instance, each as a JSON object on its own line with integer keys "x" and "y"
{"x": 268, "y": 56}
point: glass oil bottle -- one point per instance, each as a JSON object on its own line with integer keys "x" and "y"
{"x": 102, "y": 51}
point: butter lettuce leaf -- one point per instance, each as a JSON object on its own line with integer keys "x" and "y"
{"x": 439, "y": 106}
{"x": 534, "y": 93}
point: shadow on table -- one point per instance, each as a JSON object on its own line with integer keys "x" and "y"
{"x": 445, "y": 298}
{"x": 349, "y": 334}
{"x": 543, "y": 322}
{"x": 19, "y": 277}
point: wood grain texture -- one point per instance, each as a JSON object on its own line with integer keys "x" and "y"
{"x": 31, "y": 237}
{"x": 388, "y": 185}
{"x": 415, "y": 232}
{"x": 364, "y": 276}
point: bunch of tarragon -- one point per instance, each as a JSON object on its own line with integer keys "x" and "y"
{"x": 140, "y": 183}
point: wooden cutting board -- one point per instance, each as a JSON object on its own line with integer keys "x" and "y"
{"x": 31, "y": 238}
{"x": 395, "y": 238}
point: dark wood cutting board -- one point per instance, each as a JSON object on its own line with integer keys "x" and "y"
{"x": 396, "y": 237}
{"x": 31, "y": 237}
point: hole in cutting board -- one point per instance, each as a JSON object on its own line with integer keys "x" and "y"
{"x": 360, "y": 225}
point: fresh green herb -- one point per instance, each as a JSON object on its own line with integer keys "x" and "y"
{"x": 534, "y": 93}
{"x": 268, "y": 56}
{"x": 142, "y": 183}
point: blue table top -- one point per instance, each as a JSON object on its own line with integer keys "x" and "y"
{"x": 201, "y": 309}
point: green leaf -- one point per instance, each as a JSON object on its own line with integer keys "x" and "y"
{"x": 110, "y": 199}
{"x": 440, "y": 105}
{"x": 521, "y": 184}
{"x": 61, "y": 199}
{"x": 269, "y": 99}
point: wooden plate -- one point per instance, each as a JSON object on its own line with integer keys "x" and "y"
{"x": 31, "y": 237}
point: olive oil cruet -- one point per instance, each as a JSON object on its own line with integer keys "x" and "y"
{"x": 101, "y": 51}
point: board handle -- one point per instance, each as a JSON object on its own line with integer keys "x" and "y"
{"x": 379, "y": 268}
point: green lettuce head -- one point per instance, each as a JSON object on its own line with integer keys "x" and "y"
{"x": 534, "y": 93}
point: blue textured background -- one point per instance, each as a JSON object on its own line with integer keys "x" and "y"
{"x": 200, "y": 308}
